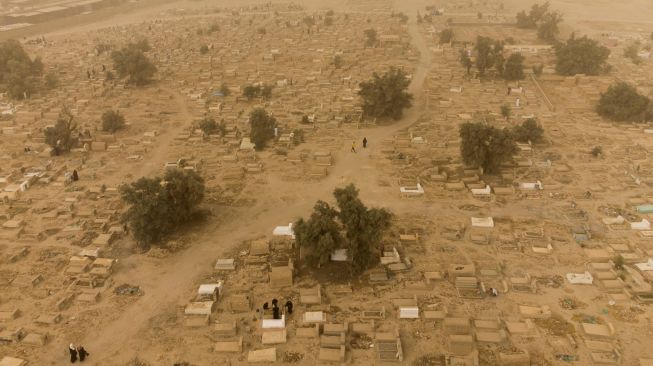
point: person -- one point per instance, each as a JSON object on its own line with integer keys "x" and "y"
{"x": 275, "y": 312}
{"x": 364, "y": 142}
{"x": 75, "y": 175}
{"x": 289, "y": 306}
{"x": 275, "y": 302}
{"x": 266, "y": 306}
{"x": 494, "y": 292}
{"x": 82, "y": 353}
{"x": 73, "y": 353}
{"x": 353, "y": 147}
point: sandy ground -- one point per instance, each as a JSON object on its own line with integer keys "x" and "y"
{"x": 166, "y": 282}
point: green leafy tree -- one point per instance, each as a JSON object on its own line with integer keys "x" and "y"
{"x": 486, "y": 146}
{"x": 466, "y": 61}
{"x": 385, "y": 95}
{"x": 548, "y": 28}
{"x": 622, "y": 102}
{"x": 319, "y": 235}
{"x": 158, "y": 207}
{"x": 531, "y": 19}
{"x": 18, "y": 73}
{"x": 262, "y": 127}
{"x": 62, "y": 137}
{"x": 371, "y": 38}
{"x": 446, "y": 35}
{"x": 580, "y": 56}
{"x": 488, "y": 54}
{"x": 364, "y": 228}
{"x": 51, "y": 80}
{"x": 131, "y": 62}
{"x": 337, "y": 61}
{"x": 506, "y": 111}
{"x": 529, "y": 130}
{"x": 632, "y": 52}
{"x": 224, "y": 89}
{"x": 112, "y": 121}
{"x": 514, "y": 69}
{"x": 208, "y": 126}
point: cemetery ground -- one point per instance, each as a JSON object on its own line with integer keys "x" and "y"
{"x": 562, "y": 235}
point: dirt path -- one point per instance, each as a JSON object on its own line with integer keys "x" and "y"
{"x": 167, "y": 283}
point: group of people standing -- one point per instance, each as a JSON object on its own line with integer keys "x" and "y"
{"x": 276, "y": 311}
{"x": 75, "y": 352}
{"x": 353, "y": 144}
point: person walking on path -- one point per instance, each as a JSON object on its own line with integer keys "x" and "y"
{"x": 364, "y": 142}
{"x": 82, "y": 353}
{"x": 73, "y": 353}
{"x": 353, "y": 147}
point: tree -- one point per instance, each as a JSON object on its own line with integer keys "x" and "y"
{"x": 328, "y": 21}
{"x": 514, "y": 69}
{"x": 622, "y": 102}
{"x": 309, "y": 21}
{"x": 18, "y": 73}
{"x": 371, "y": 39}
{"x": 266, "y": 91}
{"x": 386, "y": 96}
{"x": 157, "y": 207}
{"x": 319, "y": 235}
{"x": 337, "y": 61}
{"x": 224, "y": 89}
{"x": 131, "y": 61}
{"x": 632, "y": 52}
{"x": 208, "y": 126}
{"x": 466, "y": 61}
{"x": 262, "y": 91}
{"x": 529, "y": 130}
{"x": 112, "y": 121}
{"x": 506, "y": 111}
{"x": 204, "y": 49}
{"x": 486, "y": 146}
{"x": 61, "y": 137}
{"x": 548, "y": 27}
{"x": 262, "y": 127}
{"x": 250, "y": 91}
{"x": 488, "y": 53}
{"x": 363, "y": 228}
{"x": 51, "y": 80}
{"x": 446, "y": 35}
{"x": 580, "y": 56}
{"x": 531, "y": 19}
{"x": 538, "y": 69}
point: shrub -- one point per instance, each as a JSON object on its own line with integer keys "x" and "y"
{"x": 529, "y": 130}
{"x": 262, "y": 127}
{"x": 112, "y": 121}
{"x": 581, "y": 56}
{"x": 621, "y": 102}
{"x": 385, "y": 95}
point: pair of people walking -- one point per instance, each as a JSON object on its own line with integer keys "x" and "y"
{"x": 77, "y": 352}
{"x": 353, "y": 145}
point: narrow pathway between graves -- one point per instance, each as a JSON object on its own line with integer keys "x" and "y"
{"x": 170, "y": 283}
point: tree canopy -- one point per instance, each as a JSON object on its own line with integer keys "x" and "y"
{"x": 130, "y": 61}
{"x": 112, "y": 121}
{"x": 62, "y": 137}
{"x": 19, "y": 75}
{"x": 385, "y": 96}
{"x": 529, "y": 130}
{"x": 543, "y": 19}
{"x": 262, "y": 127}
{"x": 371, "y": 38}
{"x": 158, "y": 207}
{"x": 259, "y": 90}
{"x": 486, "y": 146}
{"x": 514, "y": 68}
{"x": 622, "y": 102}
{"x": 580, "y": 56}
{"x": 446, "y": 35}
{"x": 363, "y": 229}
{"x": 489, "y": 53}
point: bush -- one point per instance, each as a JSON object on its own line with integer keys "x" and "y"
{"x": 446, "y": 35}
{"x": 158, "y": 207}
{"x": 262, "y": 127}
{"x": 297, "y": 136}
{"x": 319, "y": 235}
{"x": 632, "y": 52}
{"x": 131, "y": 62}
{"x": 506, "y": 111}
{"x": 208, "y": 126}
{"x": 621, "y": 102}
{"x": 337, "y": 61}
{"x": 224, "y": 89}
{"x": 514, "y": 68}
{"x": 262, "y": 91}
{"x": 204, "y": 49}
{"x": 529, "y": 130}
{"x": 486, "y": 146}
{"x": 596, "y": 151}
{"x": 538, "y": 69}
{"x": 112, "y": 121}
{"x": 386, "y": 96}
{"x": 61, "y": 137}
{"x": 581, "y": 56}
